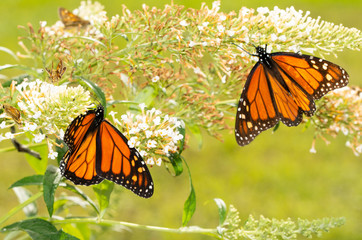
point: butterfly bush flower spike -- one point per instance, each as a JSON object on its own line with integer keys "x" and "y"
{"x": 48, "y": 109}
{"x": 340, "y": 111}
{"x": 157, "y": 134}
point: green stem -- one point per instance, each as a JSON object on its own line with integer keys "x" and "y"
{"x": 8, "y": 149}
{"x": 142, "y": 45}
{"x": 194, "y": 229}
{"x": 20, "y": 206}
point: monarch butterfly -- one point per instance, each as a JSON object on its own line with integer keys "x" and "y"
{"x": 71, "y": 20}
{"x": 281, "y": 87}
{"x": 97, "y": 150}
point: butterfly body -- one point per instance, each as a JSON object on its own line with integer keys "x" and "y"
{"x": 97, "y": 150}
{"x": 57, "y": 74}
{"x": 282, "y": 87}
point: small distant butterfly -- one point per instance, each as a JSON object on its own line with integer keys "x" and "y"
{"x": 281, "y": 87}
{"x": 71, "y": 20}
{"x": 57, "y": 74}
{"x": 97, "y": 150}
{"x": 12, "y": 112}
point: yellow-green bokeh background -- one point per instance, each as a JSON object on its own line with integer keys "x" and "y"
{"x": 275, "y": 176}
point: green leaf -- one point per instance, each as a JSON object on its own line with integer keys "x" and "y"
{"x": 124, "y": 36}
{"x": 37, "y": 228}
{"x": 276, "y": 127}
{"x": 18, "y": 80}
{"x": 181, "y": 145}
{"x": 113, "y": 102}
{"x": 195, "y": 130}
{"x": 65, "y": 236}
{"x": 94, "y": 87}
{"x": 176, "y": 162}
{"x": 51, "y": 181}
{"x": 59, "y": 150}
{"x": 8, "y": 51}
{"x": 307, "y": 124}
{"x": 38, "y": 165}
{"x": 146, "y": 96}
{"x": 27, "y": 181}
{"x": 89, "y": 39}
{"x": 80, "y": 230}
{"x": 81, "y": 194}
{"x": 103, "y": 193}
{"x": 222, "y": 210}
{"x": 190, "y": 203}
{"x": 23, "y": 195}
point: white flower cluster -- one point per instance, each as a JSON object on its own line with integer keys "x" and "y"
{"x": 352, "y": 96}
{"x": 344, "y": 105}
{"x": 288, "y": 25}
{"x": 93, "y": 12}
{"x": 44, "y": 107}
{"x": 153, "y": 134}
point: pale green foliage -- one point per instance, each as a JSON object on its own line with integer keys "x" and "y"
{"x": 274, "y": 229}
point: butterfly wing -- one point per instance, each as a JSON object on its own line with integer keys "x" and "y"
{"x": 117, "y": 162}
{"x": 315, "y": 76}
{"x": 71, "y": 20}
{"x": 256, "y": 110}
{"x": 78, "y": 164}
{"x": 13, "y": 112}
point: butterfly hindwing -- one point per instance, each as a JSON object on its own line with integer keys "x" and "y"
{"x": 281, "y": 87}
{"x": 120, "y": 163}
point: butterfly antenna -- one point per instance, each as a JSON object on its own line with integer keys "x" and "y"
{"x": 244, "y": 49}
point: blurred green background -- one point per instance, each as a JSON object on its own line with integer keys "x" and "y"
{"x": 274, "y": 176}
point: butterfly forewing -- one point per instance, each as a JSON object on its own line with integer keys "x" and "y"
{"x": 314, "y": 75}
{"x": 281, "y": 87}
{"x": 78, "y": 128}
{"x": 78, "y": 164}
{"x": 256, "y": 111}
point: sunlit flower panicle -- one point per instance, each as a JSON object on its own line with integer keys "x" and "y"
{"x": 233, "y": 228}
{"x": 48, "y": 109}
{"x": 92, "y": 11}
{"x": 292, "y": 30}
{"x": 340, "y": 111}
{"x": 154, "y": 134}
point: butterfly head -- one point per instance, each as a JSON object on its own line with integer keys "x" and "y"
{"x": 263, "y": 55}
{"x": 99, "y": 114}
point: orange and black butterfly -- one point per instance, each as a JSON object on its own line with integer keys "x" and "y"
{"x": 71, "y": 20}
{"x": 57, "y": 74}
{"x": 97, "y": 150}
{"x": 281, "y": 87}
